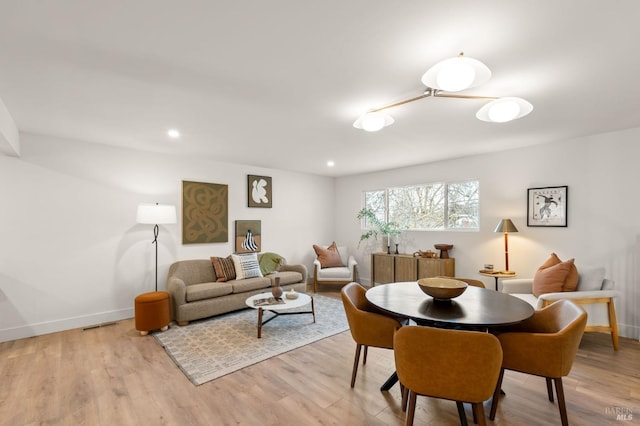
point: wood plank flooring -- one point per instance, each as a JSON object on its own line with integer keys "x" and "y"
{"x": 113, "y": 376}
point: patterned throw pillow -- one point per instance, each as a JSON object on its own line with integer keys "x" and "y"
{"x": 224, "y": 267}
{"x": 246, "y": 265}
{"x": 329, "y": 257}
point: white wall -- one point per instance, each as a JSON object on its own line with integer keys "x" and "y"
{"x": 602, "y": 174}
{"x": 71, "y": 253}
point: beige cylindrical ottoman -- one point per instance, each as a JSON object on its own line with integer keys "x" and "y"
{"x": 152, "y": 311}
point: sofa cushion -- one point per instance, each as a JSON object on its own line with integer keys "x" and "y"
{"x": 289, "y": 277}
{"x": 551, "y": 279}
{"x": 224, "y": 267}
{"x": 246, "y": 266}
{"x": 203, "y": 291}
{"x": 269, "y": 262}
{"x": 249, "y": 284}
{"x": 329, "y": 257}
{"x": 591, "y": 279}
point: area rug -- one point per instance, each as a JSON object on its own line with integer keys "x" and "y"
{"x": 207, "y": 349}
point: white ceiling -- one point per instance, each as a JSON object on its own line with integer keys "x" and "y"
{"x": 279, "y": 83}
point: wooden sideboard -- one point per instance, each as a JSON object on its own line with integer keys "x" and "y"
{"x": 389, "y": 268}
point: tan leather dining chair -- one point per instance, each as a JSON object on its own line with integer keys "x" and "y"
{"x": 457, "y": 365}
{"x": 369, "y": 327}
{"x": 544, "y": 345}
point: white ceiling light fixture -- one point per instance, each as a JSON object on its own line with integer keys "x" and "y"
{"x": 504, "y": 109}
{"x": 173, "y": 133}
{"x": 456, "y": 74}
{"x": 373, "y": 121}
{"x": 453, "y": 75}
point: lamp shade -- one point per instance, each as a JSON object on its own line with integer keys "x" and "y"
{"x": 456, "y": 74}
{"x": 503, "y": 110}
{"x": 156, "y": 214}
{"x": 505, "y": 225}
{"x": 373, "y": 121}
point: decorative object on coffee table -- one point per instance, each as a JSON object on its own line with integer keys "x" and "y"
{"x": 444, "y": 250}
{"x": 276, "y": 290}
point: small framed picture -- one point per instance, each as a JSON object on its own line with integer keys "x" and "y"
{"x": 259, "y": 191}
{"x": 547, "y": 206}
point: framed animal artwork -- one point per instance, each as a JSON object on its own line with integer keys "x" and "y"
{"x": 259, "y": 191}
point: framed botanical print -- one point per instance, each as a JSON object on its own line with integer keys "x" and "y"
{"x": 547, "y": 206}
{"x": 259, "y": 191}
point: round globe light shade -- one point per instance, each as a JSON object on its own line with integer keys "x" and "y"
{"x": 456, "y": 74}
{"x": 373, "y": 121}
{"x": 504, "y": 109}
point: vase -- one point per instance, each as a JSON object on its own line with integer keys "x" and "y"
{"x": 385, "y": 244}
{"x": 276, "y": 290}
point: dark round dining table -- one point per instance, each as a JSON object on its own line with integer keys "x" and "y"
{"x": 475, "y": 308}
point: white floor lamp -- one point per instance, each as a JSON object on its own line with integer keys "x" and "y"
{"x": 156, "y": 214}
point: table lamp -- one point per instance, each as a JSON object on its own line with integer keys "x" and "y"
{"x": 156, "y": 214}
{"x": 506, "y": 226}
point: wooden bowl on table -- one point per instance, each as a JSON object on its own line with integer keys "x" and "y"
{"x": 443, "y": 289}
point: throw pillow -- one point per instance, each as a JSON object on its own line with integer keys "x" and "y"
{"x": 591, "y": 279}
{"x": 269, "y": 262}
{"x": 246, "y": 265}
{"x": 329, "y": 257}
{"x": 224, "y": 267}
{"x": 571, "y": 282}
{"x": 551, "y": 279}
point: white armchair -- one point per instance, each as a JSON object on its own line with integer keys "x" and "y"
{"x": 336, "y": 275}
{"x": 594, "y": 293}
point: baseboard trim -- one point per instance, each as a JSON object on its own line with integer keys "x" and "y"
{"x": 85, "y": 321}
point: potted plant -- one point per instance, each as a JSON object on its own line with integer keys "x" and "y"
{"x": 378, "y": 227}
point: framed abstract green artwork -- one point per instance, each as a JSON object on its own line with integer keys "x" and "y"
{"x": 205, "y": 213}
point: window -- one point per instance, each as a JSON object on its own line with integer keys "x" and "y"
{"x": 433, "y": 206}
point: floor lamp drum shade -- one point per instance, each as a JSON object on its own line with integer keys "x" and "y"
{"x": 156, "y": 214}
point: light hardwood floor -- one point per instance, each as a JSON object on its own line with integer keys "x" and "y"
{"x": 113, "y": 376}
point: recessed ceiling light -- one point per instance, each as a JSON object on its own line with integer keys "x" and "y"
{"x": 173, "y": 134}
{"x": 330, "y": 163}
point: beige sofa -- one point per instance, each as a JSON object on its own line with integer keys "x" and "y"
{"x": 195, "y": 294}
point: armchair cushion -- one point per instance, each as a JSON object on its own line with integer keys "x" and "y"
{"x": 591, "y": 279}
{"x": 329, "y": 257}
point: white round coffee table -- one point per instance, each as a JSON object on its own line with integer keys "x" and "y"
{"x": 280, "y": 308}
